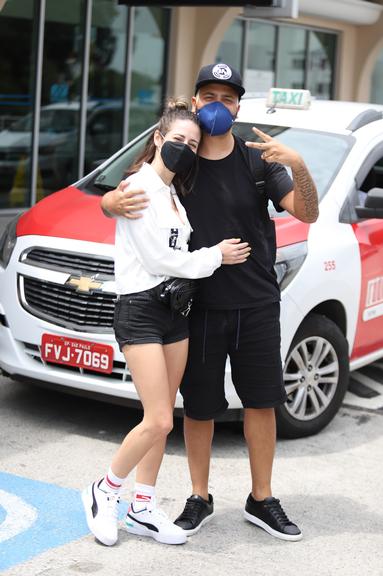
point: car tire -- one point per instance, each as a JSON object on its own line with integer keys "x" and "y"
{"x": 316, "y": 376}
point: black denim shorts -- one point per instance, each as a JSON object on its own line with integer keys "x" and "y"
{"x": 251, "y": 339}
{"x": 140, "y": 318}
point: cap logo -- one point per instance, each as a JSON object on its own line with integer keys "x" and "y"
{"x": 222, "y": 71}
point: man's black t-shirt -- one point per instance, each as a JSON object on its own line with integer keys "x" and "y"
{"x": 225, "y": 203}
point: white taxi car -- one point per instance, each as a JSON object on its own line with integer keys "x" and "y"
{"x": 57, "y": 285}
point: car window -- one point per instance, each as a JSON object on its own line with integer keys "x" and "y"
{"x": 322, "y": 152}
{"x": 23, "y": 124}
{"x": 374, "y": 179}
{"x": 115, "y": 171}
{"x": 370, "y": 175}
{"x": 105, "y": 122}
{"x": 55, "y": 121}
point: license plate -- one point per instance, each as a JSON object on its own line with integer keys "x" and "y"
{"x": 78, "y": 353}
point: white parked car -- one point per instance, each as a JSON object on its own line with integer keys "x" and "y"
{"x": 57, "y": 285}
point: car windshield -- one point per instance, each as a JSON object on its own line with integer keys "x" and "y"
{"x": 322, "y": 152}
{"x": 56, "y": 121}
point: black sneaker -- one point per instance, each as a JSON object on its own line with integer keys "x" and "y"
{"x": 269, "y": 515}
{"x": 197, "y": 512}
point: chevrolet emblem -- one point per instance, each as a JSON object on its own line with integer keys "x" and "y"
{"x": 84, "y": 283}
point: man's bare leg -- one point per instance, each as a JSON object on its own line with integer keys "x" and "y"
{"x": 199, "y": 507}
{"x": 261, "y": 508}
{"x": 260, "y": 435}
{"x": 198, "y": 440}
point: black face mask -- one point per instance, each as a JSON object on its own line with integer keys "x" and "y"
{"x": 177, "y": 156}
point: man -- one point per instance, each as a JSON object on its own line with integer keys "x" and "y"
{"x": 237, "y": 310}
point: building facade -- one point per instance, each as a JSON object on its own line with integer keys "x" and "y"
{"x": 81, "y": 78}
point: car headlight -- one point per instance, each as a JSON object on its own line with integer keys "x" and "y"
{"x": 289, "y": 260}
{"x": 7, "y": 242}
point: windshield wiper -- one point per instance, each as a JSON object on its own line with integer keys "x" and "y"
{"x": 103, "y": 187}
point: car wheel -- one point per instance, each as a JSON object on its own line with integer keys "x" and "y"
{"x": 316, "y": 375}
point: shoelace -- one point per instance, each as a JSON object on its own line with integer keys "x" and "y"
{"x": 277, "y": 512}
{"x": 191, "y": 510}
{"x": 159, "y": 515}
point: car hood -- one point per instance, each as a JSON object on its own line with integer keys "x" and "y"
{"x": 71, "y": 213}
{"x": 68, "y": 213}
{"x": 289, "y": 230}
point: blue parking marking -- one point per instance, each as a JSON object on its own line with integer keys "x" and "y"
{"x": 36, "y": 516}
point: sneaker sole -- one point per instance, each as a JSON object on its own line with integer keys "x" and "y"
{"x": 195, "y": 530}
{"x": 87, "y": 500}
{"x": 142, "y": 531}
{"x": 267, "y": 528}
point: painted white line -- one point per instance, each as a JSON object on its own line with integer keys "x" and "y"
{"x": 369, "y": 382}
{"x": 20, "y": 515}
{"x": 370, "y": 403}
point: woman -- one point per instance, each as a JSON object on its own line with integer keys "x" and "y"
{"x": 153, "y": 338}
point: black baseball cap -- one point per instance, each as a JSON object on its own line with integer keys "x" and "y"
{"x": 220, "y": 73}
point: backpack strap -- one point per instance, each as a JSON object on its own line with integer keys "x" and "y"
{"x": 255, "y": 163}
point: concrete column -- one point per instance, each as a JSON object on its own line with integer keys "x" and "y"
{"x": 196, "y": 35}
{"x": 369, "y": 43}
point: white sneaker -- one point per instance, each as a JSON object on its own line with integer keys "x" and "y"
{"x": 101, "y": 509}
{"x": 153, "y": 522}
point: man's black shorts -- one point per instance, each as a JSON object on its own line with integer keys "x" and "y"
{"x": 140, "y": 318}
{"x": 251, "y": 338}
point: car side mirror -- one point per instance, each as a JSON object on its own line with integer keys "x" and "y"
{"x": 373, "y": 207}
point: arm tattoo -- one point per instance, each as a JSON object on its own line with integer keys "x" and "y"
{"x": 305, "y": 193}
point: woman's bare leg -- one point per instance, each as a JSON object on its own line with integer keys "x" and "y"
{"x": 147, "y": 364}
{"x": 175, "y": 358}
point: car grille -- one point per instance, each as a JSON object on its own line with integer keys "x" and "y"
{"x": 71, "y": 262}
{"x": 63, "y": 306}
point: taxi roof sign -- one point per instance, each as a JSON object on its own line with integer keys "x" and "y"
{"x": 288, "y": 98}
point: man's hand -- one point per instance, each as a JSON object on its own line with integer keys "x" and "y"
{"x": 124, "y": 201}
{"x": 302, "y": 201}
{"x": 274, "y": 151}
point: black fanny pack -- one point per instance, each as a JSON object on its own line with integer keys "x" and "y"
{"x": 178, "y": 294}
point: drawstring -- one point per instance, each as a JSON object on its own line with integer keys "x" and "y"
{"x": 204, "y": 337}
{"x": 238, "y": 328}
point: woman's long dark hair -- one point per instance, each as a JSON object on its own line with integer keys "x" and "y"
{"x": 175, "y": 109}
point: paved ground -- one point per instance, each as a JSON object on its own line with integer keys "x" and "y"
{"x": 53, "y": 445}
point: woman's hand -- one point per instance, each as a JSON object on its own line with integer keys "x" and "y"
{"x": 234, "y": 251}
{"x": 124, "y": 201}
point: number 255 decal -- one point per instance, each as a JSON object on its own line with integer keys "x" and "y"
{"x": 329, "y": 265}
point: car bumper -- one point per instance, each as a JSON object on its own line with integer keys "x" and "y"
{"x": 21, "y": 335}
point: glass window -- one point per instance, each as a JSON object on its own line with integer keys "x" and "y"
{"x": 304, "y": 58}
{"x": 230, "y": 50}
{"x": 60, "y": 96}
{"x": 321, "y": 62}
{"x": 148, "y": 67}
{"x": 259, "y": 72}
{"x": 17, "y": 78}
{"x": 377, "y": 81}
{"x": 291, "y": 59}
{"x": 115, "y": 171}
{"x": 106, "y": 87}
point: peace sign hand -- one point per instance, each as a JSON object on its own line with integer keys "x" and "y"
{"x": 274, "y": 151}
